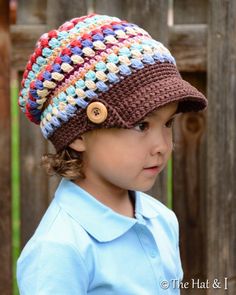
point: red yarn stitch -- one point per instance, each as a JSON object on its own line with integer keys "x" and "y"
{"x": 66, "y": 51}
{"x": 52, "y": 34}
{"x": 40, "y": 77}
{"x": 29, "y": 66}
{"x": 104, "y": 27}
{"x": 48, "y": 68}
{"x": 75, "y": 43}
{"x": 25, "y": 74}
{"x": 57, "y": 60}
{"x": 67, "y": 26}
{"x": 38, "y": 51}
{"x": 97, "y": 31}
{"x": 86, "y": 36}
{"x": 44, "y": 43}
{"x": 33, "y": 58}
{"x": 32, "y": 84}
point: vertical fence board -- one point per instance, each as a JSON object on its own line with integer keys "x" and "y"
{"x": 189, "y": 170}
{"x": 188, "y": 44}
{"x": 5, "y": 154}
{"x": 150, "y": 14}
{"x": 190, "y": 165}
{"x": 221, "y": 147}
{"x": 110, "y": 7}
{"x": 34, "y": 186}
{"x": 59, "y": 11}
{"x": 31, "y": 12}
{"x": 153, "y": 18}
{"x": 33, "y": 182}
{"x": 190, "y": 11}
{"x": 190, "y": 190}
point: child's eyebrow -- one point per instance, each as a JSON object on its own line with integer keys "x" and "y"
{"x": 173, "y": 114}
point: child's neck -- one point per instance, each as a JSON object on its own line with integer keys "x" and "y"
{"x": 115, "y": 198}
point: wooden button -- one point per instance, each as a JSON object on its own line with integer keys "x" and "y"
{"x": 97, "y": 112}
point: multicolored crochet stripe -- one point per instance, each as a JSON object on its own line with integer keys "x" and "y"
{"x": 84, "y": 57}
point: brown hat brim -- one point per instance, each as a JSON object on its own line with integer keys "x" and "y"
{"x": 146, "y": 90}
{"x": 130, "y": 100}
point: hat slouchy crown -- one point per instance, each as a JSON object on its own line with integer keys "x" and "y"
{"x": 98, "y": 71}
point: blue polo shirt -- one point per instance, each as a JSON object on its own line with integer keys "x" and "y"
{"x": 83, "y": 247}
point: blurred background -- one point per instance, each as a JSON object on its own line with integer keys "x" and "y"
{"x": 199, "y": 182}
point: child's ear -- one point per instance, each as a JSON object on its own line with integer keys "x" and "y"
{"x": 78, "y": 144}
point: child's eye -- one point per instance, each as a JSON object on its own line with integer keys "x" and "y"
{"x": 142, "y": 126}
{"x": 170, "y": 123}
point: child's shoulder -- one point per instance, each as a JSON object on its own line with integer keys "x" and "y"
{"x": 57, "y": 231}
{"x": 150, "y": 206}
{"x": 148, "y": 200}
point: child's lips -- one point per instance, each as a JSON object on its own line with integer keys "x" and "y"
{"x": 153, "y": 169}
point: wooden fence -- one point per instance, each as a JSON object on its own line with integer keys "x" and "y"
{"x": 202, "y": 36}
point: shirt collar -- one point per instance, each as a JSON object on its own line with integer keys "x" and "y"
{"x": 100, "y": 221}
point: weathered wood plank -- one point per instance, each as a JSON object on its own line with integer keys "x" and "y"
{"x": 59, "y": 11}
{"x": 190, "y": 11}
{"x": 150, "y": 15}
{"x": 221, "y": 144}
{"x": 188, "y": 41}
{"x": 189, "y": 189}
{"x": 23, "y": 39}
{"x": 113, "y": 7}
{"x": 5, "y": 154}
{"x": 188, "y": 45}
{"x": 31, "y": 12}
{"x": 33, "y": 182}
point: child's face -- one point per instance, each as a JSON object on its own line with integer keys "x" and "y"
{"x": 129, "y": 159}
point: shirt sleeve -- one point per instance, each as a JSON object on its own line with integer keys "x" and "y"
{"x": 51, "y": 268}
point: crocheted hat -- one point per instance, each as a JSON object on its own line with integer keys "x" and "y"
{"x": 98, "y": 71}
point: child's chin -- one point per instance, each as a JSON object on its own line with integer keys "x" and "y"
{"x": 144, "y": 187}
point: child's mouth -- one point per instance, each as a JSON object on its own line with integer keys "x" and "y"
{"x": 153, "y": 169}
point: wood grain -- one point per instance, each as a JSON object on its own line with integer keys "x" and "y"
{"x": 150, "y": 15}
{"x": 221, "y": 144}
{"x": 190, "y": 11}
{"x": 189, "y": 188}
{"x": 5, "y": 154}
{"x": 23, "y": 40}
{"x": 31, "y": 12}
{"x": 33, "y": 182}
{"x": 188, "y": 44}
{"x": 59, "y": 11}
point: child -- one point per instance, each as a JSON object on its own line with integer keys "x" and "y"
{"x": 105, "y": 94}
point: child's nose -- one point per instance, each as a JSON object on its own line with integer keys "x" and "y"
{"x": 161, "y": 143}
